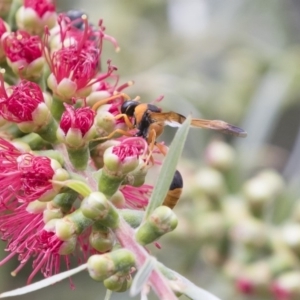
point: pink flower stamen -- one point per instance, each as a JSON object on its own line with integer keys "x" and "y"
{"x": 81, "y": 118}
{"x": 136, "y": 197}
{"x": 23, "y": 100}
{"x": 36, "y": 175}
{"x": 24, "y": 177}
{"x": 131, "y": 147}
{"x": 20, "y": 45}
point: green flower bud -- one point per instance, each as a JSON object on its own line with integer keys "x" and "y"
{"x": 282, "y": 261}
{"x": 105, "y": 265}
{"x": 98, "y": 152}
{"x": 133, "y": 217}
{"x": 211, "y": 227}
{"x": 290, "y": 234}
{"x": 97, "y": 207}
{"x": 118, "y": 199}
{"x": 68, "y": 246}
{"x": 36, "y": 207}
{"x": 64, "y": 201}
{"x": 96, "y": 96}
{"x": 35, "y": 142}
{"x": 138, "y": 175}
{"x": 118, "y": 282}
{"x": 210, "y": 182}
{"x": 60, "y": 174}
{"x": 220, "y": 155}
{"x": 101, "y": 239}
{"x": 72, "y": 224}
{"x": 119, "y": 159}
{"x": 51, "y": 213}
{"x": 109, "y": 183}
{"x": 160, "y": 222}
{"x": 105, "y": 120}
{"x": 42, "y": 123}
{"x": 262, "y": 190}
{"x": 66, "y": 88}
{"x": 251, "y": 233}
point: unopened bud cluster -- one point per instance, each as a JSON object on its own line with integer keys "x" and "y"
{"x": 244, "y": 228}
{"x": 64, "y": 186}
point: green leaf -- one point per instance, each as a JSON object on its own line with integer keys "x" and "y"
{"x": 76, "y": 185}
{"x": 182, "y": 285}
{"x": 142, "y": 276}
{"x": 108, "y": 295}
{"x": 43, "y": 283}
{"x": 168, "y": 168}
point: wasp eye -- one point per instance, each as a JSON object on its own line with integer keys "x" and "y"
{"x": 128, "y": 107}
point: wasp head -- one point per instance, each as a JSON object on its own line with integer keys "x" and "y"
{"x": 128, "y": 107}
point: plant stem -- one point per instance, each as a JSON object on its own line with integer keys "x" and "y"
{"x": 125, "y": 235}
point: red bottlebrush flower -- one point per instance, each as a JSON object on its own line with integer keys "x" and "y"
{"x": 72, "y": 70}
{"x": 34, "y": 15}
{"x": 21, "y": 46}
{"x": 136, "y": 197}
{"x": 40, "y": 6}
{"x": 24, "y": 53}
{"x": 22, "y": 101}
{"x": 80, "y": 118}
{"x": 29, "y": 237}
{"x": 74, "y": 67}
{"x": 23, "y": 176}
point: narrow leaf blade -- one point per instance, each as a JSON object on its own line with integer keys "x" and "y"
{"x": 142, "y": 276}
{"x": 76, "y": 185}
{"x": 168, "y": 168}
{"x": 43, "y": 283}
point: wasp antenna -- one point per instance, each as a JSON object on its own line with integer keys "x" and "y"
{"x": 103, "y": 101}
{"x": 158, "y": 99}
{"x": 125, "y": 85}
{"x": 137, "y": 98}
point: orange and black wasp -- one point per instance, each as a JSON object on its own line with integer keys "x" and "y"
{"x": 149, "y": 120}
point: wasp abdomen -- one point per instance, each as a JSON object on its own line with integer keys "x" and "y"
{"x": 175, "y": 191}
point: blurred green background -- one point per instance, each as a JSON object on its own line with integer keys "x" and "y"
{"x": 237, "y": 61}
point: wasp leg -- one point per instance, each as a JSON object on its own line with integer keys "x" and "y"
{"x": 104, "y": 101}
{"x": 120, "y": 131}
{"x": 162, "y": 148}
{"x": 151, "y": 142}
{"x": 126, "y": 120}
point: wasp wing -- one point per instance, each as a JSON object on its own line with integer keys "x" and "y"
{"x": 175, "y": 120}
{"x": 169, "y": 118}
{"x": 220, "y": 126}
